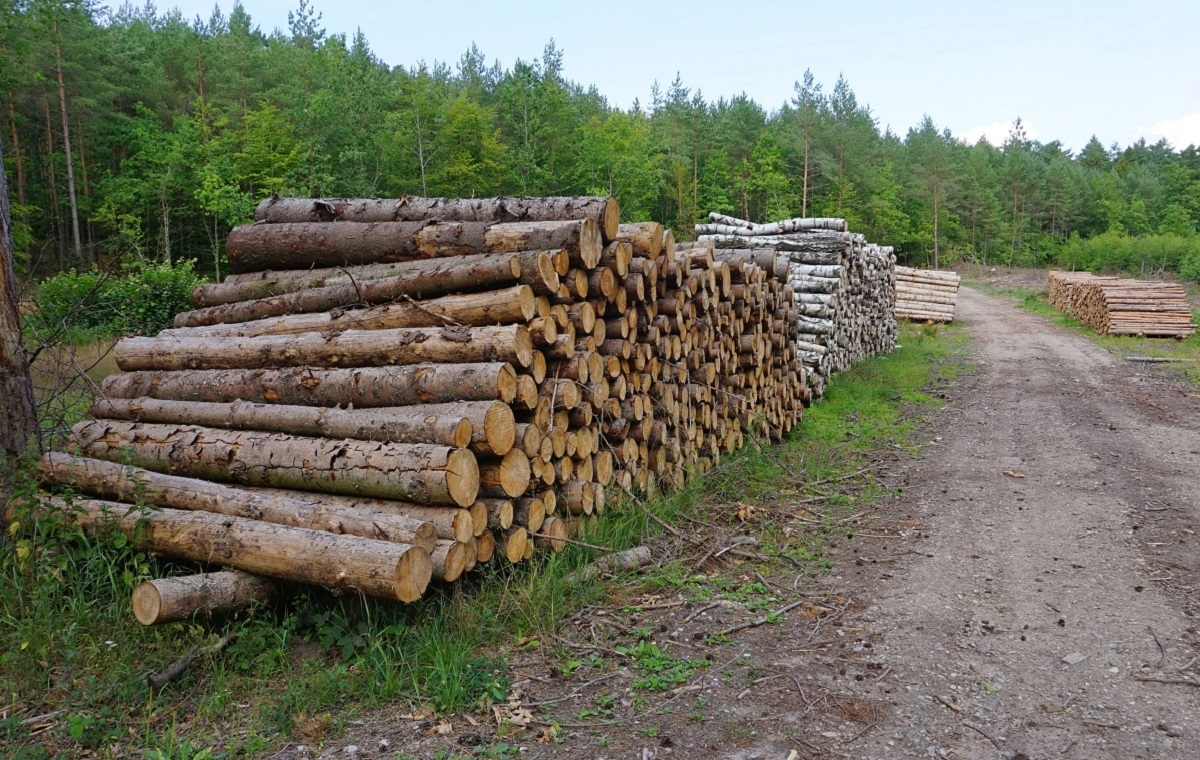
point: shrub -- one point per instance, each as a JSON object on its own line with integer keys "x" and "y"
{"x": 95, "y": 304}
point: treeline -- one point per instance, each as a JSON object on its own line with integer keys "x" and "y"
{"x": 177, "y": 127}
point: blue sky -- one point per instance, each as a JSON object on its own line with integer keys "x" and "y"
{"x": 1069, "y": 69}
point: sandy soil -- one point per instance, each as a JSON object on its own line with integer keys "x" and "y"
{"x": 1089, "y": 558}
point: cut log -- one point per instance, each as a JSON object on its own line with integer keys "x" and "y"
{"x": 119, "y": 482}
{"x": 415, "y": 345}
{"x": 414, "y": 472}
{"x": 449, "y": 560}
{"x": 505, "y": 477}
{"x": 604, "y": 210}
{"x": 167, "y": 600}
{"x": 348, "y": 563}
{"x": 645, "y": 237}
{"x": 304, "y": 386}
{"x": 308, "y": 292}
{"x": 513, "y": 305}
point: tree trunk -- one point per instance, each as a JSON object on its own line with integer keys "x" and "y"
{"x": 18, "y": 412}
{"x": 320, "y": 290}
{"x": 16, "y": 144}
{"x": 513, "y": 305}
{"x": 355, "y": 348}
{"x": 487, "y": 426}
{"x": 304, "y": 386}
{"x": 350, "y": 563}
{"x": 253, "y": 247}
{"x": 167, "y": 600}
{"x": 66, "y": 131}
{"x": 453, "y": 523}
{"x": 415, "y": 472}
{"x": 109, "y": 480}
{"x": 603, "y": 210}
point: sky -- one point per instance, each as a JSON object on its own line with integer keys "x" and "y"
{"x": 1068, "y": 69}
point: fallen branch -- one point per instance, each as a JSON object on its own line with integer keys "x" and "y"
{"x": 1175, "y": 681}
{"x": 628, "y": 560}
{"x": 158, "y": 680}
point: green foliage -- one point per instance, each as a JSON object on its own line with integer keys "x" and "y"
{"x": 1143, "y": 256}
{"x": 81, "y": 305}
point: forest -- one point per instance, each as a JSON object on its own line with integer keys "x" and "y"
{"x": 136, "y": 138}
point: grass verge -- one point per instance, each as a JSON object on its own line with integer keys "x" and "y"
{"x": 1187, "y": 352}
{"x": 72, "y": 659}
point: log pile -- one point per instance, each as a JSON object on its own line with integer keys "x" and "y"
{"x": 398, "y": 391}
{"x": 1116, "y": 306}
{"x": 844, "y": 287}
{"x": 925, "y": 295}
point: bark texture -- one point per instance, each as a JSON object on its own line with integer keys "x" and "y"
{"x": 167, "y": 600}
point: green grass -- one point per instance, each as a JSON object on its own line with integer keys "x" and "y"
{"x": 1123, "y": 345}
{"x": 68, "y": 642}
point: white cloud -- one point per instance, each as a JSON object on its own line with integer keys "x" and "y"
{"x": 996, "y": 132}
{"x": 1180, "y": 132}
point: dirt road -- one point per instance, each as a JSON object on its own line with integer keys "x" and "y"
{"x": 1037, "y": 604}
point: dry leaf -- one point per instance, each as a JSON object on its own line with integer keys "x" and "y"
{"x": 745, "y": 511}
{"x": 1014, "y": 474}
{"x": 442, "y": 728}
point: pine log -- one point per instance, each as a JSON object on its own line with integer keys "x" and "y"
{"x": 110, "y": 480}
{"x": 645, "y": 237}
{"x": 509, "y": 343}
{"x": 508, "y": 476}
{"x": 304, "y": 386}
{"x": 415, "y": 472}
{"x": 350, "y": 563}
{"x": 604, "y": 210}
{"x": 449, "y": 560}
{"x": 166, "y": 600}
{"x": 513, "y": 305}
{"x": 244, "y": 302}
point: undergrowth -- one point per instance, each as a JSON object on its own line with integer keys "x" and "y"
{"x": 71, "y": 651}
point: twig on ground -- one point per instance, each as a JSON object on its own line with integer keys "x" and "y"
{"x": 1175, "y": 681}
{"x": 982, "y": 733}
{"x": 760, "y": 621}
{"x": 1162, "y": 651}
{"x": 947, "y": 703}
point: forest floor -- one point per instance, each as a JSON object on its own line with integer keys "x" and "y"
{"x": 1025, "y": 588}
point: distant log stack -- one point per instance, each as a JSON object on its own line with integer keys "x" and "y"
{"x": 926, "y": 295}
{"x": 467, "y": 379}
{"x": 1116, "y": 306}
{"x": 844, "y": 287}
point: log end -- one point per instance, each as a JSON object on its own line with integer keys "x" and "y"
{"x": 515, "y": 473}
{"x": 499, "y": 429}
{"x": 449, "y": 560}
{"x": 514, "y": 542}
{"x": 552, "y": 535}
{"x": 147, "y": 603}
{"x": 610, "y": 219}
{"x": 485, "y": 548}
{"x": 462, "y": 477}
{"x": 413, "y": 573}
{"x": 506, "y": 384}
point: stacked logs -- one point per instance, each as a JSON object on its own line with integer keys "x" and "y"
{"x": 926, "y": 295}
{"x": 844, "y": 286}
{"x": 462, "y": 379}
{"x": 1116, "y": 306}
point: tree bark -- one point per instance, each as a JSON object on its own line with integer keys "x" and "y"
{"x": 18, "y": 412}
{"x": 513, "y": 305}
{"x": 167, "y": 600}
{"x": 415, "y": 472}
{"x": 300, "y": 292}
{"x": 110, "y": 480}
{"x": 361, "y": 348}
{"x": 350, "y": 563}
{"x": 451, "y": 425}
{"x": 605, "y": 211}
{"x": 453, "y": 523}
{"x": 645, "y": 237}
{"x": 365, "y": 387}
{"x": 253, "y": 247}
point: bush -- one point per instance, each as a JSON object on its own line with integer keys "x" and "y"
{"x": 1143, "y": 255}
{"x": 95, "y": 304}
